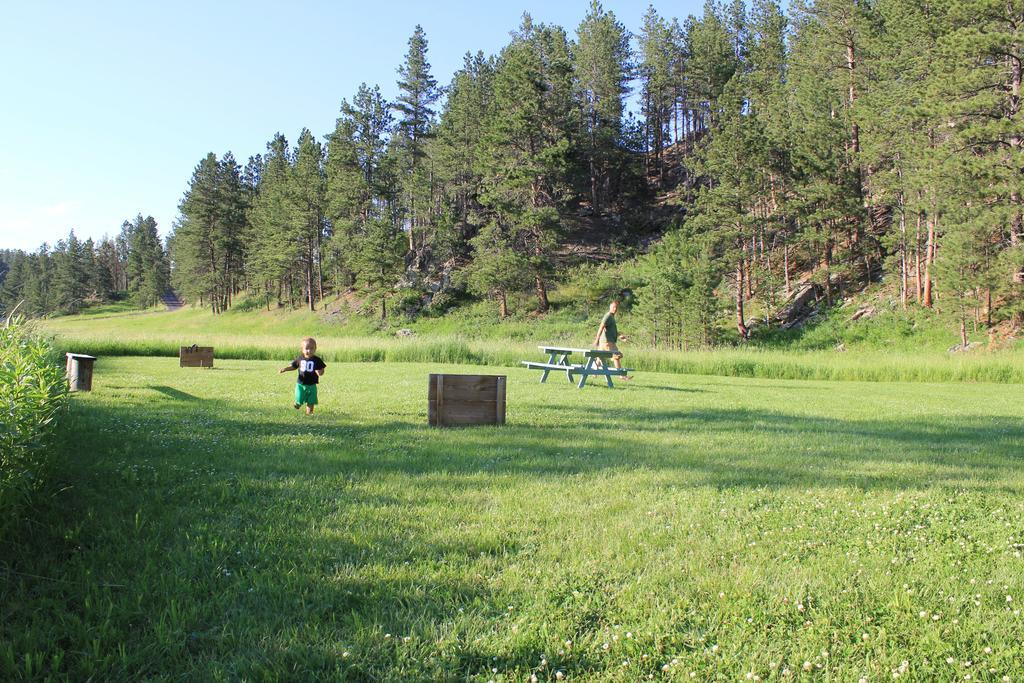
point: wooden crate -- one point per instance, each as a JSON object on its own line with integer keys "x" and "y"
{"x": 466, "y": 400}
{"x": 195, "y": 356}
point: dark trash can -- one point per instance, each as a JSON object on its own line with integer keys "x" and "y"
{"x": 79, "y": 371}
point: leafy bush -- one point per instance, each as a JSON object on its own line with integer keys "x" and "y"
{"x": 32, "y": 391}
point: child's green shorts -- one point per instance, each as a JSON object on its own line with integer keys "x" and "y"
{"x": 305, "y": 393}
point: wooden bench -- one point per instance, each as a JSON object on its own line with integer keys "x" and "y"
{"x": 558, "y": 361}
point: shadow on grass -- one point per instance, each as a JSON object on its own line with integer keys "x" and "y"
{"x": 320, "y": 536}
{"x": 171, "y": 392}
{"x": 717, "y": 447}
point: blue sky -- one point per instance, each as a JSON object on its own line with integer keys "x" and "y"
{"x": 108, "y": 106}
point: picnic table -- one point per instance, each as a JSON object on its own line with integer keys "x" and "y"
{"x": 558, "y": 361}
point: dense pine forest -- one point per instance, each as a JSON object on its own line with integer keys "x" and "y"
{"x": 742, "y": 164}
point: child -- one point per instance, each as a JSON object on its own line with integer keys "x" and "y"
{"x": 310, "y": 367}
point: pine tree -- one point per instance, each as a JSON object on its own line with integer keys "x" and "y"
{"x": 524, "y": 153}
{"x": 271, "y": 251}
{"x": 378, "y": 260}
{"x": 69, "y": 285}
{"x": 498, "y": 268}
{"x": 12, "y": 291}
{"x": 146, "y": 269}
{"x": 677, "y": 300}
{"x": 37, "y": 284}
{"x": 603, "y": 63}
{"x": 711, "y": 62}
{"x": 109, "y": 269}
{"x": 656, "y": 54}
{"x": 454, "y": 152}
{"x": 418, "y": 93}
{"x": 357, "y": 177}
{"x": 308, "y": 188}
{"x": 724, "y": 207}
{"x": 208, "y": 240}
{"x": 978, "y": 84}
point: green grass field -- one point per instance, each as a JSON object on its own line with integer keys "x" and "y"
{"x": 675, "y": 528}
{"x": 262, "y": 335}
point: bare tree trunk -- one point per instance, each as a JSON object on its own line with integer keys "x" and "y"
{"x": 542, "y": 294}
{"x": 917, "y": 259}
{"x": 927, "y": 298}
{"x": 309, "y": 277}
{"x": 785, "y": 268}
{"x": 319, "y": 266}
{"x": 903, "y": 254}
{"x": 741, "y": 325}
{"x": 826, "y": 263}
{"x": 1016, "y": 142}
{"x": 502, "y": 304}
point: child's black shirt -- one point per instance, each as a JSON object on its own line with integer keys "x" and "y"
{"x": 307, "y": 368}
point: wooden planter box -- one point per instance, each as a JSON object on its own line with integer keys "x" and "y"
{"x": 196, "y": 356}
{"x": 466, "y": 400}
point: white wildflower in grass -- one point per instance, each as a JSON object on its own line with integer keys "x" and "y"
{"x": 950, "y": 660}
{"x": 629, "y": 634}
{"x": 534, "y": 679}
{"x": 1009, "y": 598}
{"x": 864, "y": 636}
{"x": 714, "y": 648}
{"x": 344, "y": 654}
{"x": 922, "y": 614}
{"x": 988, "y": 650}
{"x": 721, "y": 595}
{"x": 800, "y": 607}
{"x": 808, "y": 666}
{"x": 665, "y": 667}
{"x": 605, "y": 646}
{"x": 559, "y": 675}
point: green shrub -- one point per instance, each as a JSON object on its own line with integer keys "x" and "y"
{"x": 32, "y": 391}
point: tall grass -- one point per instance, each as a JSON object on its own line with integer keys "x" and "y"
{"x": 465, "y": 339}
{"x": 32, "y": 390}
{"x": 867, "y": 366}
